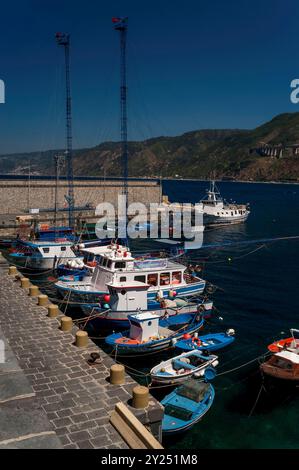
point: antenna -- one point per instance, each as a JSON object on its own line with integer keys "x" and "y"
{"x": 121, "y": 25}
{"x": 63, "y": 39}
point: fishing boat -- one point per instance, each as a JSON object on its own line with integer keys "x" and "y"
{"x": 290, "y": 344}
{"x": 82, "y": 268}
{"x": 42, "y": 255}
{"x": 282, "y": 365}
{"x": 186, "y": 405}
{"x": 130, "y": 297}
{"x": 150, "y": 333}
{"x": 182, "y": 367}
{"x": 209, "y": 342}
{"x": 216, "y": 211}
{"x": 117, "y": 264}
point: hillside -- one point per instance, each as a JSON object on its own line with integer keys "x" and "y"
{"x": 224, "y": 152}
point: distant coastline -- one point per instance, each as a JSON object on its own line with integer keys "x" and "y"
{"x": 22, "y": 177}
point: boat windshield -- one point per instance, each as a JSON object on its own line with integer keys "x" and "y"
{"x": 178, "y": 412}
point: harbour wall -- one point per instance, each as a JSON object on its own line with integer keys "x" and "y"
{"x": 17, "y": 196}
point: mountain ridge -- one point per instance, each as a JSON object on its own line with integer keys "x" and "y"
{"x": 225, "y": 153}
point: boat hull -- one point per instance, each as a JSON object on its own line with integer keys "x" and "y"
{"x": 171, "y": 426}
{"x": 119, "y": 320}
{"x": 210, "y": 220}
{"x": 278, "y": 373}
{"x": 85, "y": 292}
{"x": 211, "y": 342}
{"x": 158, "y": 345}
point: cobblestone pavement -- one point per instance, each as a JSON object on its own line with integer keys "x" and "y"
{"x": 58, "y": 386}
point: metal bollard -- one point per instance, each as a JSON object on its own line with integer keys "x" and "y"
{"x": 43, "y": 300}
{"x": 12, "y": 270}
{"x": 53, "y": 311}
{"x": 66, "y": 324}
{"x": 33, "y": 291}
{"x": 117, "y": 374}
{"x": 140, "y": 397}
{"x": 25, "y": 283}
{"x": 81, "y": 339}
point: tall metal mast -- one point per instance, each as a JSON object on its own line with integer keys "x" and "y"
{"x": 121, "y": 25}
{"x": 58, "y": 159}
{"x": 63, "y": 39}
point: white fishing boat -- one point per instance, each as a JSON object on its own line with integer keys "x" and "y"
{"x": 117, "y": 264}
{"x": 42, "y": 255}
{"x": 182, "y": 367}
{"x": 131, "y": 297}
{"x": 216, "y": 211}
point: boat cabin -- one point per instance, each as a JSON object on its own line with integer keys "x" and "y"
{"x": 46, "y": 249}
{"x": 283, "y": 365}
{"x": 143, "y": 326}
{"x": 118, "y": 266}
{"x": 128, "y": 297}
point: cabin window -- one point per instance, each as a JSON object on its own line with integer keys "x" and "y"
{"x": 232, "y": 213}
{"x": 152, "y": 279}
{"x": 46, "y": 250}
{"x": 120, "y": 265}
{"x": 109, "y": 263}
{"x": 122, "y": 279}
{"x": 164, "y": 279}
{"x": 149, "y": 323}
{"x": 140, "y": 279}
{"x": 123, "y": 292}
{"x": 63, "y": 248}
{"x": 176, "y": 277}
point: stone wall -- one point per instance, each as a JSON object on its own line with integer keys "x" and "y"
{"x": 17, "y": 196}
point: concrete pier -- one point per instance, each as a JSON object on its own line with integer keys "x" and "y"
{"x": 50, "y": 397}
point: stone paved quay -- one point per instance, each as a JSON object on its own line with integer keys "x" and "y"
{"x": 49, "y": 396}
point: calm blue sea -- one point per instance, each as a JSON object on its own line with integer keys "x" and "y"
{"x": 258, "y": 297}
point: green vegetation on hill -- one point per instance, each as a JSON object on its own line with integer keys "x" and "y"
{"x": 197, "y": 154}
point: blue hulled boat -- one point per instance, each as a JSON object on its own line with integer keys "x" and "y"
{"x": 210, "y": 342}
{"x": 186, "y": 405}
{"x": 151, "y": 333}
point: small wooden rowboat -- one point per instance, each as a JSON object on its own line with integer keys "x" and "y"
{"x": 291, "y": 344}
{"x": 186, "y": 405}
{"x": 180, "y": 368}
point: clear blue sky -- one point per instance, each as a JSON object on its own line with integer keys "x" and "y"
{"x": 191, "y": 64}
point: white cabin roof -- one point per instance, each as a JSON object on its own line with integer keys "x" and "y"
{"x": 144, "y": 316}
{"x": 128, "y": 285}
{"x": 290, "y": 356}
{"x": 96, "y": 250}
